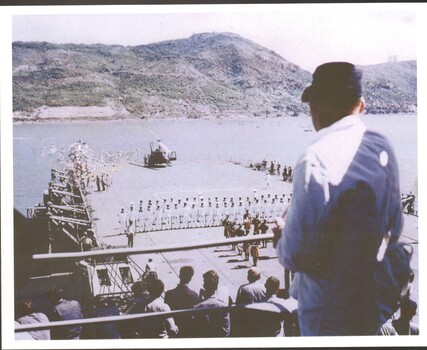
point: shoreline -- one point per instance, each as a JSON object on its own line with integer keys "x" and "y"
{"x": 77, "y": 120}
{"x": 138, "y": 119}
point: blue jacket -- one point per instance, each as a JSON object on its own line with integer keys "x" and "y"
{"x": 346, "y": 197}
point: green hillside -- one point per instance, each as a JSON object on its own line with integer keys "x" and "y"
{"x": 206, "y": 75}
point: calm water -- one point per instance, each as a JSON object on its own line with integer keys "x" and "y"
{"x": 280, "y": 139}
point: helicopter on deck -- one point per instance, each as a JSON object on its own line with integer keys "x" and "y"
{"x": 160, "y": 154}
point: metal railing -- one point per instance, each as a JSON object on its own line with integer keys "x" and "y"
{"x": 133, "y": 251}
{"x": 156, "y": 249}
{"x": 121, "y": 318}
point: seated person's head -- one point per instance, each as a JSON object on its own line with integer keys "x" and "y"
{"x": 138, "y": 288}
{"x": 24, "y": 307}
{"x": 272, "y": 285}
{"x": 186, "y": 274}
{"x": 254, "y": 274}
{"x": 210, "y": 281}
{"x": 54, "y": 295}
{"x": 156, "y": 288}
{"x": 151, "y": 276}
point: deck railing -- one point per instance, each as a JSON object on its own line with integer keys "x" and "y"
{"x": 133, "y": 251}
{"x": 156, "y": 249}
{"x": 122, "y": 318}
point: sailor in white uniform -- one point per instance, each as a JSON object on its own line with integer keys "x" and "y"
{"x": 209, "y": 215}
{"x": 175, "y": 217}
{"x": 140, "y": 220}
{"x": 122, "y": 221}
{"x": 148, "y": 219}
{"x": 201, "y": 215}
{"x": 186, "y": 215}
{"x": 194, "y": 214}
{"x": 167, "y": 217}
{"x": 216, "y": 215}
{"x": 157, "y": 222}
{"x": 131, "y": 219}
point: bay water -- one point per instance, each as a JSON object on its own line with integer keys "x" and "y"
{"x": 36, "y": 146}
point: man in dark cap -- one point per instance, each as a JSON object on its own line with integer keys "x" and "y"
{"x": 345, "y": 205}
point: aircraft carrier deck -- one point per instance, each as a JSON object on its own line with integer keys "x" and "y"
{"x": 132, "y": 182}
{"x": 215, "y": 178}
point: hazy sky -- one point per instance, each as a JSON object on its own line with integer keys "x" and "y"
{"x": 306, "y": 35}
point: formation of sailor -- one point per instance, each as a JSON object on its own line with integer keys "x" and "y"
{"x": 197, "y": 212}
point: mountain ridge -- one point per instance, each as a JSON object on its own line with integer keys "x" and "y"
{"x": 208, "y": 75}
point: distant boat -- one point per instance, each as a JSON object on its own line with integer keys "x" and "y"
{"x": 306, "y": 128}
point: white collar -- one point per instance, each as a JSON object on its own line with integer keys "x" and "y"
{"x": 343, "y": 123}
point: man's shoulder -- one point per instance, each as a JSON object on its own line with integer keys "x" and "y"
{"x": 180, "y": 291}
{"x": 376, "y": 139}
{"x": 213, "y": 301}
{"x": 210, "y": 302}
{"x": 158, "y": 305}
{"x": 244, "y": 287}
{"x": 40, "y": 317}
{"x": 35, "y": 317}
{"x": 170, "y": 293}
{"x": 68, "y": 304}
{"x": 290, "y": 304}
{"x": 252, "y": 286}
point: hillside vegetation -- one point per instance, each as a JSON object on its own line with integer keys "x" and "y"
{"x": 206, "y": 75}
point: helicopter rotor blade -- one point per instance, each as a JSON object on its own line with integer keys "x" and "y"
{"x": 155, "y": 135}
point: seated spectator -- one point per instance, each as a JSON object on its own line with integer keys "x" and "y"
{"x": 157, "y": 327}
{"x": 182, "y": 297}
{"x": 64, "y": 310}
{"x": 274, "y": 316}
{"x": 26, "y": 314}
{"x": 106, "y": 307}
{"x": 148, "y": 277}
{"x": 253, "y": 291}
{"x": 140, "y": 297}
{"x": 212, "y": 324}
{"x": 131, "y": 329}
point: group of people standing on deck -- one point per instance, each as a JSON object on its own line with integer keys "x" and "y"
{"x": 199, "y": 212}
{"x": 274, "y": 168}
{"x": 233, "y": 228}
